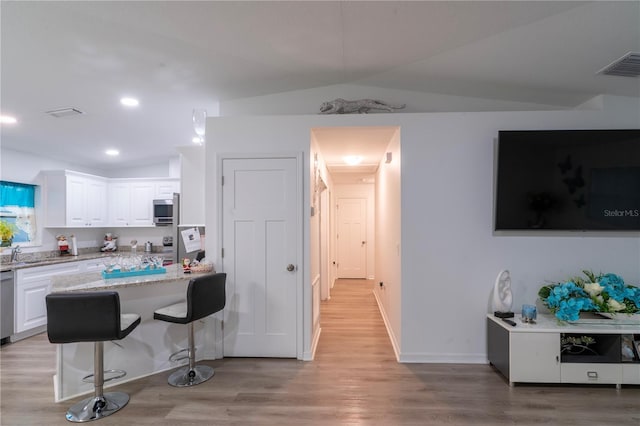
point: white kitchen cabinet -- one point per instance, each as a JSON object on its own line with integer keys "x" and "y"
{"x": 131, "y": 203}
{"x": 165, "y": 188}
{"x": 79, "y": 200}
{"x": 141, "y": 202}
{"x": 131, "y": 200}
{"x": 31, "y": 287}
{"x": 72, "y": 199}
{"x": 119, "y": 203}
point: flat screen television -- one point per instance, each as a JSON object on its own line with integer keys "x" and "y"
{"x": 568, "y": 180}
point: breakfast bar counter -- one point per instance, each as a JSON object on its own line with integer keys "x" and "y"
{"x": 93, "y": 281}
{"x": 147, "y": 349}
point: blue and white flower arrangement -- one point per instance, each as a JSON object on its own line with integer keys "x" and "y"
{"x": 597, "y": 293}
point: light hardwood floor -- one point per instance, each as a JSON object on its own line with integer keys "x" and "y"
{"x": 354, "y": 380}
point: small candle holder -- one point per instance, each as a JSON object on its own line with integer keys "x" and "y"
{"x": 529, "y": 314}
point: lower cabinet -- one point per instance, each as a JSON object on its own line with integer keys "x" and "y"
{"x": 32, "y": 286}
{"x": 535, "y": 357}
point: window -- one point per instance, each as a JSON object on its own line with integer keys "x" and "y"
{"x": 17, "y": 207}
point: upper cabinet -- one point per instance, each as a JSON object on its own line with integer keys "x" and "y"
{"x": 165, "y": 188}
{"x": 77, "y": 200}
{"x": 73, "y": 199}
{"x": 131, "y": 202}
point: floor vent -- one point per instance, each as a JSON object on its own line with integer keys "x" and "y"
{"x": 627, "y": 66}
{"x": 64, "y": 112}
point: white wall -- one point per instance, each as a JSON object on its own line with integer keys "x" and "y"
{"x": 450, "y": 256}
{"x": 24, "y": 168}
{"x": 192, "y": 184}
{"x": 164, "y": 169}
{"x": 388, "y": 230}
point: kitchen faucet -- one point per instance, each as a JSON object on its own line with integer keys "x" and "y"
{"x": 15, "y": 251}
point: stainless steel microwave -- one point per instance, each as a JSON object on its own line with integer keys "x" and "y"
{"x": 163, "y": 212}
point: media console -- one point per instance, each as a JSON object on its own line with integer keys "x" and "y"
{"x": 595, "y": 351}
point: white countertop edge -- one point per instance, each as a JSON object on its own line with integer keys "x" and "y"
{"x": 549, "y": 324}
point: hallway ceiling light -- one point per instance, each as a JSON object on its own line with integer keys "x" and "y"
{"x": 7, "y": 119}
{"x": 112, "y": 152}
{"x": 352, "y": 160}
{"x": 130, "y": 102}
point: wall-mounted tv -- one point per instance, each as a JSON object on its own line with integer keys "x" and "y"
{"x": 568, "y": 180}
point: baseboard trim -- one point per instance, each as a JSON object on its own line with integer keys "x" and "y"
{"x": 392, "y": 336}
{"x": 309, "y": 356}
{"x": 443, "y": 358}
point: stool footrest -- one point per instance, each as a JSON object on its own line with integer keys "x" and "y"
{"x": 118, "y": 374}
{"x": 176, "y": 356}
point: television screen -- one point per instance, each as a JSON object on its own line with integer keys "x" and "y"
{"x": 568, "y": 180}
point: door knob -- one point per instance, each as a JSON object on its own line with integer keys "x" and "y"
{"x": 290, "y": 267}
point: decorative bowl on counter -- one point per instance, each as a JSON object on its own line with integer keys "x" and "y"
{"x": 201, "y": 267}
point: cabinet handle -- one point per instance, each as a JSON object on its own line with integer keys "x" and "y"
{"x": 592, "y": 374}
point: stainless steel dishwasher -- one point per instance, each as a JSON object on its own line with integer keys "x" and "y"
{"x": 6, "y": 306}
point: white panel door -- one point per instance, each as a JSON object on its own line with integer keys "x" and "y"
{"x": 259, "y": 202}
{"x": 352, "y": 232}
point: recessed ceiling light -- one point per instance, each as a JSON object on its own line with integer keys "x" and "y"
{"x": 7, "y": 119}
{"x": 130, "y": 102}
{"x": 112, "y": 152}
{"x": 352, "y": 160}
{"x": 198, "y": 140}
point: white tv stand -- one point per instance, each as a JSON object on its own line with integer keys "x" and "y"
{"x": 531, "y": 353}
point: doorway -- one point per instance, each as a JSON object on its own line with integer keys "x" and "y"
{"x": 351, "y": 251}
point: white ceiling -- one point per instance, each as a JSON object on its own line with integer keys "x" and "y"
{"x": 180, "y": 55}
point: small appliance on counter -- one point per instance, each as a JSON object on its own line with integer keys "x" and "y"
{"x": 110, "y": 242}
{"x": 63, "y": 244}
{"x": 148, "y": 247}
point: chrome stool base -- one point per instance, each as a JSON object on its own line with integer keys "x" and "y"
{"x": 95, "y": 408}
{"x": 186, "y": 377}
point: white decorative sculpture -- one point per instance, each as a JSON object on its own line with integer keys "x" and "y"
{"x": 362, "y": 106}
{"x": 502, "y": 295}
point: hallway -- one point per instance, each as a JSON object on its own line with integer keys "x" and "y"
{"x": 353, "y": 331}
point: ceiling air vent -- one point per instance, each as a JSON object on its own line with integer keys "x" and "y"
{"x": 627, "y": 66}
{"x": 64, "y": 112}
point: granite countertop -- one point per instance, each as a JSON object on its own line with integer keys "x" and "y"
{"x": 45, "y": 261}
{"x": 32, "y": 263}
{"x": 90, "y": 281}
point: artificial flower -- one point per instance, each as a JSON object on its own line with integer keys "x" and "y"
{"x": 599, "y": 293}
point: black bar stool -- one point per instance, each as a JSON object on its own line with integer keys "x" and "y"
{"x": 91, "y": 317}
{"x": 205, "y": 296}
